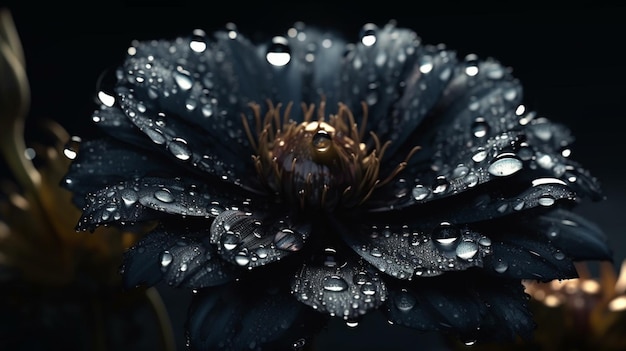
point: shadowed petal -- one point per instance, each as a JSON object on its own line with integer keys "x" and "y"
{"x": 181, "y": 261}
{"x": 249, "y": 316}
{"x": 468, "y": 304}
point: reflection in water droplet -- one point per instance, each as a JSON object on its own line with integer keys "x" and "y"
{"x": 286, "y": 239}
{"x": 334, "y": 283}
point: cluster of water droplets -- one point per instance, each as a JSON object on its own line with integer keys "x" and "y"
{"x": 406, "y": 254}
{"x": 344, "y": 289}
{"x": 250, "y": 240}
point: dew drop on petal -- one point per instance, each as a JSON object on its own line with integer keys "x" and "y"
{"x": 466, "y": 250}
{"x": 166, "y": 259}
{"x": 334, "y": 283}
{"x": 164, "y": 195}
{"x": 546, "y": 200}
{"x": 129, "y": 197}
{"x": 178, "y": 147}
{"x": 500, "y": 266}
{"x": 505, "y": 166}
{"x": 183, "y": 79}
{"x": 405, "y": 301}
{"x": 445, "y": 235}
{"x": 420, "y": 192}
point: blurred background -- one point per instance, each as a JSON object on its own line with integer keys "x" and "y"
{"x": 569, "y": 60}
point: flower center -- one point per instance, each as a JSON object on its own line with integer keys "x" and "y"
{"x": 320, "y": 162}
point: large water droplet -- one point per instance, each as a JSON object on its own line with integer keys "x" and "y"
{"x": 500, "y": 266}
{"x": 334, "y": 283}
{"x": 445, "y": 235}
{"x": 166, "y": 259}
{"x": 178, "y": 147}
{"x": 505, "y": 166}
{"x": 164, "y": 195}
{"x": 288, "y": 240}
{"x": 420, "y": 192}
{"x": 405, "y": 301}
{"x": 466, "y": 250}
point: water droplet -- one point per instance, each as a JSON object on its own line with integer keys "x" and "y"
{"x": 164, "y": 195}
{"x": 405, "y": 301}
{"x": 480, "y": 155}
{"x": 242, "y": 258}
{"x": 298, "y": 344}
{"x": 129, "y": 197}
{"x": 361, "y": 278}
{"x": 368, "y": 34}
{"x": 182, "y": 79}
{"x": 106, "y": 99}
{"x": 466, "y": 250}
{"x": 198, "y": 41}
{"x": 230, "y": 241}
{"x": 559, "y": 255}
{"x": 546, "y": 200}
{"x": 420, "y": 192}
{"x": 505, "y": 166}
{"x": 426, "y": 64}
{"x": 321, "y": 141}
{"x": 178, "y": 147}
{"x": 480, "y": 127}
{"x": 368, "y": 289}
{"x": 166, "y": 259}
{"x": 71, "y": 148}
{"x": 445, "y": 235}
{"x": 471, "y": 65}
{"x": 375, "y": 252}
{"x": 286, "y": 239}
{"x": 279, "y": 53}
{"x": 500, "y": 266}
{"x": 441, "y": 185}
{"x": 334, "y": 283}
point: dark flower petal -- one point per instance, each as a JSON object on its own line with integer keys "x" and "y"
{"x": 573, "y": 234}
{"x": 468, "y": 304}
{"x": 107, "y": 161}
{"x": 347, "y": 290}
{"x": 398, "y": 78}
{"x": 251, "y": 239}
{"x": 313, "y": 70}
{"x": 249, "y": 316}
{"x": 150, "y": 197}
{"x": 526, "y": 257}
{"x": 406, "y": 253}
{"x": 181, "y": 261}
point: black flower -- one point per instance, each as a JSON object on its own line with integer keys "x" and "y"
{"x": 308, "y": 177}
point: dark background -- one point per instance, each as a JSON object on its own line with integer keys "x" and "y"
{"x": 568, "y": 58}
